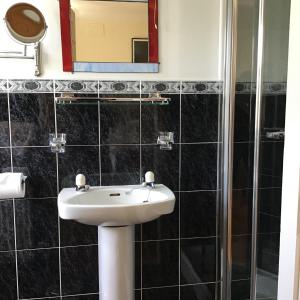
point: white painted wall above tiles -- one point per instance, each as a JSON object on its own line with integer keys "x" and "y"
{"x": 189, "y": 42}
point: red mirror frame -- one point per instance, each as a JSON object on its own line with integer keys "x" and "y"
{"x": 65, "y": 7}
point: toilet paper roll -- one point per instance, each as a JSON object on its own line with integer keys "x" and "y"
{"x": 12, "y": 185}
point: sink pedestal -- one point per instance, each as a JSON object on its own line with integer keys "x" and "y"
{"x": 116, "y": 262}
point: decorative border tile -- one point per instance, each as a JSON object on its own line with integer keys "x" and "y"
{"x": 164, "y": 87}
{"x": 269, "y": 88}
{"x": 3, "y": 84}
{"x": 30, "y": 86}
{"x": 202, "y": 87}
{"x": 245, "y": 88}
{"x": 119, "y": 87}
{"x": 76, "y": 86}
{"x": 274, "y": 88}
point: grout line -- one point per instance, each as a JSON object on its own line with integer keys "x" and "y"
{"x": 179, "y": 198}
{"x": 176, "y": 285}
{"x": 57, "y": 190}
{"x": 53, "y": 248}
{"x": 141, "y": 226}
{"x": 14, "y": 206}
{"x": 99, "y": 144}
{"x": 54, "y": 297}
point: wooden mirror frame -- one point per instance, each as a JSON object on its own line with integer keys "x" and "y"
{"x": 69, "y": 65}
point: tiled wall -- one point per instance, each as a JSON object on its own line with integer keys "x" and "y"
{"x": 270, "y": 177}
{"x": 44, "y": 257}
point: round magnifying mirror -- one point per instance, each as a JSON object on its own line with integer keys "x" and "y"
{"x": 25, "y": 23}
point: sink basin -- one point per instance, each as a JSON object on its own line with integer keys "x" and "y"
{"x": 116, "y": 205}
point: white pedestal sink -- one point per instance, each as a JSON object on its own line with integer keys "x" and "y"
{"x": 115, "y": 209}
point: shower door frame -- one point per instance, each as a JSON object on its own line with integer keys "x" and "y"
{"x": 228, "y": 113}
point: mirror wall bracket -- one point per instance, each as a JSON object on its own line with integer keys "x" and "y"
{"x": 23, "y": 55}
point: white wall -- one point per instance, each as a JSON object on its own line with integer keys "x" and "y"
{"x": 290, "y": 221}
{"x": 188, "y": 43}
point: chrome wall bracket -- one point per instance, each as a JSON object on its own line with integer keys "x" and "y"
{"x": 165, "y": 140}
{"x": 57, "y": 142}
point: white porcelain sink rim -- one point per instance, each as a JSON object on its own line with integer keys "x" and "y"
{"x": 98, "y": 207}
{"x": 64, "y": 198}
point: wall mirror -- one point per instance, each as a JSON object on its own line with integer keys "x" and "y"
{"x": 109, "y": 35}
{"x": 25, "y": 25}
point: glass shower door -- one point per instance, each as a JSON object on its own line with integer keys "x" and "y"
{"x": 276, "y": 17}
{"x": 260, "y": 44}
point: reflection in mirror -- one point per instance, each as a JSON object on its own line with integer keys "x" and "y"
{"x": 26, "y": 25}
{"x": 109, "y": 31}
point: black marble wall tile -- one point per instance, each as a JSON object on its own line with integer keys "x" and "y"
{"x": 241, "y": 257}
{"x": 198, "y": 260}
{"x": 120, "y": 124}
{"x": 7, "y": 241}
{"x": 8, "y": 282}
{"x": 137, "y": 294}
{"x": 199, "y": 118}
{"x": 242, "y": 211}
{"x": 164, "y": 164}
{"x": 273, "y": 115}
{"x": 158, "y": 254}
{"x": 160, "y": 263}
{"x": 167, "y": 293}
{"x": 73, "y": 233}
{"x": 198, "y": 167}
{"x": 32, "y": 119}
{"x": 165, "y": 227}
{"x": 39, "y": 164}
{"x": 157, "y": 118}
{"x": 137, "y": 265}
{"x": 270, "y": 201}
{"x": 120, "y": 165}
{"x": 198, "y": 214}
{"x": 197, "y": 292}
{"x": 79, "y": 270}
{"x": 271, "y": 164}
{"x": 243, "y": 165}
{"x": 83, "y": 297}
{"x": 79, "y": 122}
{"x": 4, "y": 126}
{"x": 38, "y": 273}
{"x": 240, "y": 290}
{"x": 36, "y": 223}
{"x": 243, "y": 114}
{"x": 268, "y": 252}
{"x": 76, "y": 160}
{"x": 268, "y": 223}
{"x": 5, "y": 162}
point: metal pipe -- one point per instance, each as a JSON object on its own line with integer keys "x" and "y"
{"x": 228, "y": 138}
{"x": 259, "y": 84}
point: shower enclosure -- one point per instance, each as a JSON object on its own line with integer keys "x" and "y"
{"x": 255, "y": 74}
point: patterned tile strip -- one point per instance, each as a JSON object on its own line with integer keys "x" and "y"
{"x": 164, "y": 87}
{"x": 3, "y": 85}
{"x": 202, "y": 87}
{"x": 119, "y": 87}
{"x": 76, "y": 86}
{"x": 30, "y": 86}
{"x": 133, "y": 87}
